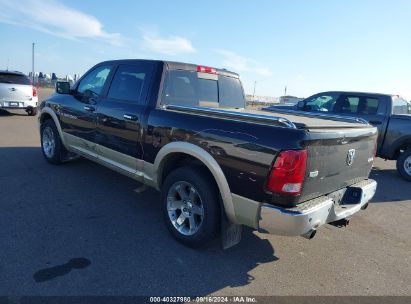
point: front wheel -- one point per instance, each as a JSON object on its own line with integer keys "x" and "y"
{"x": 404, "y": 164}
{"x": 191, "y": 206}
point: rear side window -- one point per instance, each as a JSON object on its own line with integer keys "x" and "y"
{"x": 14, "y": 78}
{"x": 362, "y": 105}
{"x": 128, "y": 83}
{"x": 188, "y": 89}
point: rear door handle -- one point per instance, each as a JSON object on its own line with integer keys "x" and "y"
{"x": 130, "y": 117}
{"x": 89, "y": 108}
{"x": 375, "y": 122}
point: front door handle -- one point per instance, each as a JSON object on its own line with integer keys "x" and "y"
{"x": 375, "y": 122}
{"x": 130, "y": 117}
{"x": 89, "y": 108}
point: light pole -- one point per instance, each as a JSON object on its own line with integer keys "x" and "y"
{"x": 255, "y": 83}
{"x": 32, "y": 63}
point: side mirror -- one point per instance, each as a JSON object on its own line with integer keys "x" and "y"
{"x": 62, "y": 87}
{"x": 301, "y": 104}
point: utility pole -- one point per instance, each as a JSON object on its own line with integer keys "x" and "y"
{"x": 255, "y": 83}
{"x": 285, "y": 91}
{"x": 8, "y": 59}
{"x": 32, "y": 64}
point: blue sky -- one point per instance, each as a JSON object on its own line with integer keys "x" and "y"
{"x": 308, "y": 46}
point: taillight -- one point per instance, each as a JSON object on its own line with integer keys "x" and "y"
{"x": 34, "y": 92}
{"x": 206, "y": 69}
{"x": 375, "y": 148}
{"x": 288, "y": 172}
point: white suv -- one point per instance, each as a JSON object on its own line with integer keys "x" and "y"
{"x": 17, "y": 92}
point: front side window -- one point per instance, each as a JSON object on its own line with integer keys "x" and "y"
{"x": 320, "y": 103}
{"x": 127, "y": 84}
{"x": 92, "y": 84}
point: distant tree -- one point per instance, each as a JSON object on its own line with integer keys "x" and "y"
{"x": 53, "y": 76}
{"x": 41, "y": 75}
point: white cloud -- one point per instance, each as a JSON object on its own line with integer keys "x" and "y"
{"x": 241, "y": 64}
{"x": 170, "y": 45}
{"x": 54, "y": 18}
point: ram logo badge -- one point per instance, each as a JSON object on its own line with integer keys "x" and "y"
{"x": 350, "y": 157}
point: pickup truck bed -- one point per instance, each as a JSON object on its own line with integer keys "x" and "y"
{"x": 324, "y": 139}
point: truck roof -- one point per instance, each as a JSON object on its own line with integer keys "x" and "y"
{"x": 11, "y": 72}
{"x": 175, "y": 65}
{"x": 357, "y": 93}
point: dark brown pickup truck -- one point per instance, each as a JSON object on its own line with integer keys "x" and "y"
{"x": 184, "y": 130}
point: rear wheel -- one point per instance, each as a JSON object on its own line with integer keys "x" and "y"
{"x": 404, "y": 164}
{"x": 191, "y": 206}
{"x": 31, "y": 111}
{"x": 51, "y": 145}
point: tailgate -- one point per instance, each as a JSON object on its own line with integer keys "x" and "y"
{"x": 15, "y": 92}
{"x": 337, "y": 159}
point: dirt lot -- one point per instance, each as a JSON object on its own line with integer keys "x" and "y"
{"x": 50, "y": 215}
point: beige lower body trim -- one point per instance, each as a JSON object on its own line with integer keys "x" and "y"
{"x": 119, "y": 162}
{"x": 246, "y": 210}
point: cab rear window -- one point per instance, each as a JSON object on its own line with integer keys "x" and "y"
{"x": 14, "y": 78}
{"x": 189, "y": 88}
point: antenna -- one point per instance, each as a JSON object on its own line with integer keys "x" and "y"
{"x": 32, "y": 63}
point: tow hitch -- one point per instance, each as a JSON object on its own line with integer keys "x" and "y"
{"x": 341, "y": 223}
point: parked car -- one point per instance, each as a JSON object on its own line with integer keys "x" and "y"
{"x": 391, "y": 114}
{"x": 183, "y": 129}
{"x": 17, "y": 93}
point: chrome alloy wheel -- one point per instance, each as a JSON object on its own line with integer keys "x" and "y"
{"x": 407, "y": 165}
{"x": 49, "y": 143}
{"x": 185, "y": 208}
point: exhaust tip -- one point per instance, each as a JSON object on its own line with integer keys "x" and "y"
{"x": 310, "y": 234}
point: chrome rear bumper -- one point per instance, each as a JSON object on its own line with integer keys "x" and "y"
{"x": 312, "y": 214}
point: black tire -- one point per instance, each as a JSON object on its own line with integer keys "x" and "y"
{"x": 32, "y": 112}
{"x": 209, "y": 197}
{"x": 402, "y": 161}
{"x": 54, "y": 157}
